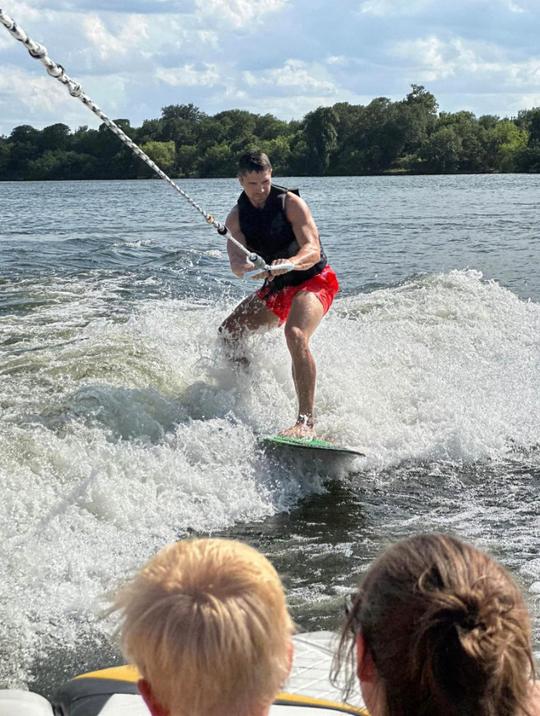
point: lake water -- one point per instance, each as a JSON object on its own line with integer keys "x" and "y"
{"x": 122, "y": 428}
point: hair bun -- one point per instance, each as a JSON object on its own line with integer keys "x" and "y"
{"x": 468, "y": 621}
{"x": 467, "y": 614}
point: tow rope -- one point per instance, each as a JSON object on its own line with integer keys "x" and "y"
{"x": 39, "y": 52}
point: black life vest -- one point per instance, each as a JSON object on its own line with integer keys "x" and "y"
{"x": 269, "y": 233}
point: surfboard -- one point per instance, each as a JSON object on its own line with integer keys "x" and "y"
{"x": 315, "y": 445}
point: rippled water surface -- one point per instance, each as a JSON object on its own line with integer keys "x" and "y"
{"x": 122, "y": 428}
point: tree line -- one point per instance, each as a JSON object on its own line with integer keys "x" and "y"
{"x": 409, "y": 136}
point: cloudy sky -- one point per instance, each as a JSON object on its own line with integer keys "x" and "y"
{"x": 285, "y": 57}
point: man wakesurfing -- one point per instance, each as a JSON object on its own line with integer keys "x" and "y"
{"x": 277, "y": 224}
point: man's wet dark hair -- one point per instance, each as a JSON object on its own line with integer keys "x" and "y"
{"x": 253, "y": 162}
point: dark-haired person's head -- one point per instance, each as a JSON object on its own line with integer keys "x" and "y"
{"x": 254, "y": 161}
{"x": 206, "y": 623}
{"x": 436, "y": 628}
{"x": 255, "y": 177}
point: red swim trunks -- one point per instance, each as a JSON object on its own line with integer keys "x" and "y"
{"x": 324, "y": 285}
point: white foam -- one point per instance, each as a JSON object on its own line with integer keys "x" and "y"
{"x": 443, "y": 368}
{"x": 121, "y": 434}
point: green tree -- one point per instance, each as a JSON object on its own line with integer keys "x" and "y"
{"x": 381, "y": 136}
{"x": 507, "y": 141}
{"x": 528, "y": 159}
{"x": 246, "y": 143}
{"x": 186, "y": 160}
{"x": 530, "y": 120}
{"x": 299, "y": 161}
{"x": 279, "y": 151}
{"x": 321, "y": 138}
{"x": 441, "y": 152}
{"x": 162, "y": 153}
{"x": 236, "y": 124}
{"x": 24, "y": 134}
{"x": 5, "y": 156}
{"x": 47, "y": 166}
{"x": 116, "y": 160}
{"x": 211, "y": 131}
{"x": 55, "y": 136}
{"x": 24, "y": 146}
{"x": 488, "y": 121}
{"x": 417, "y": 117}
{"x": 87, "y": 141}
{"x": 218, "y": 161}
{"x": 269, "y": 127}
{"x": 150, "y": 130}
{"x": 471, "y": 155}
{"x": 408, "y": 135}
{"x": 179, "y": 123}
{"x": 345, "y": 159}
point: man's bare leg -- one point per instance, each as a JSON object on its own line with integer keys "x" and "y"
{"x": 250, "y": 315}
{"x": 305, "y": 315}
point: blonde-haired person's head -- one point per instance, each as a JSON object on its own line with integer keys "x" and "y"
{"x": 206, "y": 623}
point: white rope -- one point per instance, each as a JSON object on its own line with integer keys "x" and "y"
{"x": 39, "y": 52}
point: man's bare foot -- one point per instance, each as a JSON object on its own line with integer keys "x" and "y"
{"x": 303, "y": 428}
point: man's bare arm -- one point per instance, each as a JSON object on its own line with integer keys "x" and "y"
{"x": 305, "y": 231}
{"x": 238, "y": 260}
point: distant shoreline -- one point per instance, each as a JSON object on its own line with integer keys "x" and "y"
{"x": 383, "y": 138}
{"x": 391, "y": 174}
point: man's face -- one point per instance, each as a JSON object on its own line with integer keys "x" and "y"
{"x": 257, "y": 186}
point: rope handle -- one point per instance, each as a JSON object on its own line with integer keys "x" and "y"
{"x": 39, "y": 52}
{"x": 285, "y": 267}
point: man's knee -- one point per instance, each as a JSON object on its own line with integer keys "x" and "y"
{"x": 229, "y": 331}
{"x": 296, "y": 337}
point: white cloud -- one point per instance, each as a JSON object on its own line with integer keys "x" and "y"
{"x": 198, "y": 38}
{"x": 433, "y": 59}
{"x": 383, "y": 8}
{"x": 527, "y": 101}
{"x": 189, "y": 76}
{"x": 182, "y": 36}
{"x": 138, "y": 45}
{"x": 337, "y": 60}
{"x": 235, "y": 96}
{"x": 522, "y": 6}
{"x": 38, "y": 100}
{"x": 293, "y": 75}
{"x": 132, "y": 32}
{"x": 31, "y": 91}
{"x": 135, "y": 56}
{"x": 112, "y": 94}
{"x": 5, "y": 40}
{"x": 292, "y": 106}
{"x": 24, "y": 12}
{"x": 238, "y": 13}
{"x": 525, "y": 73}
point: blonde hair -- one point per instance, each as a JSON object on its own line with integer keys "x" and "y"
{"x": 447, "y": 630}
{"x": 206, "y": 623}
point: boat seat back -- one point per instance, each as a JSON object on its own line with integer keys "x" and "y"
{"x": 130, "y": 705}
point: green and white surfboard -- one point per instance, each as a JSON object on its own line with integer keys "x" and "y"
{"x": 315, "y": 445}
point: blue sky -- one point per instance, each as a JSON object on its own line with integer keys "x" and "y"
{"x": 285, "y": 57}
